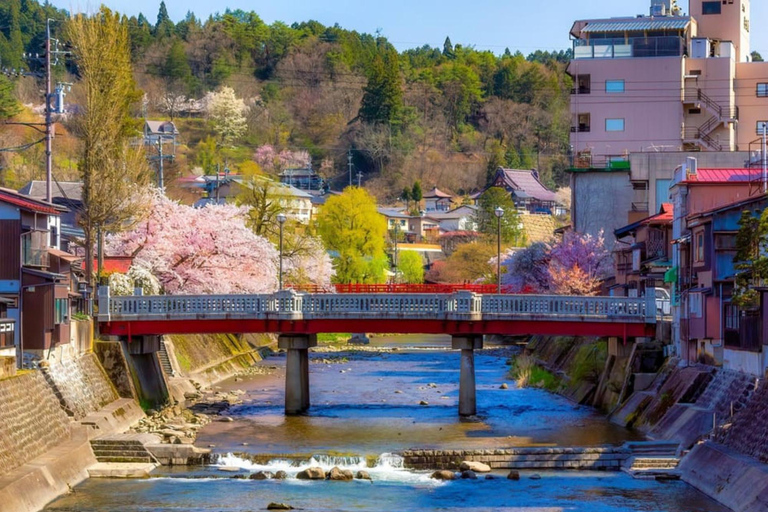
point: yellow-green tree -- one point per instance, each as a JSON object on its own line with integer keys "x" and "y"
{"x": 112, "y": 171}
{"x": 410, "y": 267}
{"x": 354, "y": 232}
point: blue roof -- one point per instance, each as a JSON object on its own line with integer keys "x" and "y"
{"x": 637, "y": 24}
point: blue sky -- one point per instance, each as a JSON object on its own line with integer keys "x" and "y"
{"x": 487, "y": 24}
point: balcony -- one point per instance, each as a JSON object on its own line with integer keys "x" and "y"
{"x": 631, "y": 47}
{"x": 34, "y": 249}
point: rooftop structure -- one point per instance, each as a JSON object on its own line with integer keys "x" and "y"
{"x": 526, "y": 190}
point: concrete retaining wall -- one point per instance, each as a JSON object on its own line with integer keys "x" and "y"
{"x": 736, "y": 481}
{"x": 31, "y": 420}
{"x": 593, "y": 458}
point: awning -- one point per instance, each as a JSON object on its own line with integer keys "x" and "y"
{"x": 63, "y": 255}
{"x": 637, "y": 25}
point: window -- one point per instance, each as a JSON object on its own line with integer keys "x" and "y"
{"x": 583, "y": 84}
{"x": 761, "y": 127}
{"x": 731, "y": 316}
{"x": 762, "y": 90}
{"x": 695, "y": 304}
{"x": 614, "y": 125}
{"x": 710, "y": 7}
{"x": 612, "y": 86}
{"x": 61, "y": 311}
{"x": 583, "y": 123}
{"x": 698, "y": 247}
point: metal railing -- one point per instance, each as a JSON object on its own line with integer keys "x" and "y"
{"x": 615, "y": 48}
{"x": 461, "y": 305}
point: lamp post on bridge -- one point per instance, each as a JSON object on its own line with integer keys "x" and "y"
{"x": 281, "y": 221}
{"x": 499, "y": 212}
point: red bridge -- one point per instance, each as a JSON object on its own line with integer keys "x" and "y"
{"x": 298, "y": 317}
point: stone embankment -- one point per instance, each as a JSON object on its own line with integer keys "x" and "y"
{"x": 584, "y": 458}
{"x": 721, "y": 416}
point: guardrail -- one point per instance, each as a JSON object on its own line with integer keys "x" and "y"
{"x": 462, "y": 305}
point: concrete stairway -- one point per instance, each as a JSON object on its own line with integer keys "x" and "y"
{"x": 165, "y": 361}
{"x": 123, "y": 448}
{"x": 653, "y": 460}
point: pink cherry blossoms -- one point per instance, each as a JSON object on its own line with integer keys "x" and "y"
{"x": 195, "y": 251}
{"x": 271, "y": 160}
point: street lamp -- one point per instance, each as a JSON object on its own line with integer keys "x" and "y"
{"x": 499, "y": 212}
{"x": 281, "y": 221}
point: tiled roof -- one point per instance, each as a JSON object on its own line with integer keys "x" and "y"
{"x": 393, "y": 213}
{"x": 526, "y": 181}
{"x": 724, "y": 176}
{"x": 665, "y": 215}
{"x": 637, "y": 24}
{"x": 26, "y": 203}
{"x": 161, "y": 127}
{"x": 65, "y": 189}
{"x": 437, "y": 193}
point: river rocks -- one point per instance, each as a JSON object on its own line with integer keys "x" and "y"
{"x": 359, "y": 339}
{"x": 535, "y": 476}
{"x": 340, "y": 474}
{"x": 504, "y": 386}
{"x": 477, "y": 467}
{"x": 443, "y": 474}
{"x": 423, "y": 402}
{"x": 468, "y": 475}
{"x": 260, "y": 475}
{"x": 229, "y": 469}
{"x": 313, "y": 473}
{"x": 513, "y": 475}
{"x": 490, "y": 477}
{"x": 281, "y": 475}
{"x": 279, "y": 506}
{"x": 363, "y": 475}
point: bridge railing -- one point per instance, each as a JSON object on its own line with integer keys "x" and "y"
{"x": 289, "y": 304}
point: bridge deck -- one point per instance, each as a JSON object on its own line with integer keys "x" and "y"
{"x": 457, "y": 313}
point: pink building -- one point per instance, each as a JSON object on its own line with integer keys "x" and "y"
{"x": 666, "y": 82}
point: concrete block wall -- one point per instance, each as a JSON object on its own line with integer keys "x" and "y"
{"x": 31, "y": 420}
{"x": 749, "y": 432}
{"x": 81, "y": 385}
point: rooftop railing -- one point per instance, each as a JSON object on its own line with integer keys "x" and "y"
{"x": 630, "y": 47}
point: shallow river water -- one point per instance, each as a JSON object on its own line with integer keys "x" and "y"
{"x": 365, "y": 406}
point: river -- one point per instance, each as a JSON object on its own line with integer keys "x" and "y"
{"x": 366, "y": 406}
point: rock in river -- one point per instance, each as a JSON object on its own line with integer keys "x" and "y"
{"x": 443, "y": 474}
{"x": 313, "y": 473}
{"x": 261, "y": 475}
{"x": 468, "y": 474}
{"x": 340, "y": 474}
{"x": 513, "y": 475}
{"x": 279, "y": 506}
{"x": 477, "y": 467}
{"x": 363, "y": 475}
{"x": 281, "y": 475}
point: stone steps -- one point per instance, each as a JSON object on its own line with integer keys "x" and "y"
{"x": 123, "y": 448}
{"x": 654, "y": 463}
{"x": 165, "y": 361}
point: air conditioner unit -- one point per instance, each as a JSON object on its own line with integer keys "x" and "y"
{"x": 699, "y": 48}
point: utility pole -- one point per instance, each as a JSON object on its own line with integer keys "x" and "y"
{"x": 359, "y": 178}
{"x": 765, "y": 159}
{"x": 349, "y": 164}
{"x": 48, "y": 123}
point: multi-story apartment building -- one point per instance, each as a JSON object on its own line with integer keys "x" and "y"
{"x": 650, "y": 91}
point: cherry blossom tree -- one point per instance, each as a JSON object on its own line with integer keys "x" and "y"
{"x": 207, "y": 250}
{"x": 527, "y": 270}
{"x": 579, "y": 263}
{"x": 273, "y": 161}
{"x": 227, "y": 112}
{"x": 309, "y": 264}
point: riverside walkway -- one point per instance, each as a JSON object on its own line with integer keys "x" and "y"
{"x": 298, "y": 317}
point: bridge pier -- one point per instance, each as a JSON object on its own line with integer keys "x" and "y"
{"x": 297, "y": 370}
{"x": 467, "y": 393}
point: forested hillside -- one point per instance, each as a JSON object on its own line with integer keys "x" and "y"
{"x": 445, "y": 116}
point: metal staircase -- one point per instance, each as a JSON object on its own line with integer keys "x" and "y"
{"x": 721, "y": 116}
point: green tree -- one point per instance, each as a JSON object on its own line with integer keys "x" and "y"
{"x": 448, "y": 49}
{"x": 756, "y": 57}
{"x": 383, "y": 96}
{"x": 488, "y": 223}
{"x": 410, "y": 267}
{"x": 750, "y": 259}
{"x": 405, "y": 195}
{"x": 9, "y": 107}
{"x": 164, "y": 26}
{"x": 354, "y": 232}
{"x": 416, "y": 194}
{"x": 12, "y": 48}
{"x": 112, "y": 171}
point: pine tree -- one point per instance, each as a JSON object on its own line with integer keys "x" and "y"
{"x": 164, "y": 26}
{"x": 383, "y": 97}
{"x": 9, "y": 107}
{"x": 448, "y": 49}
{"x": 416, "y": 194}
